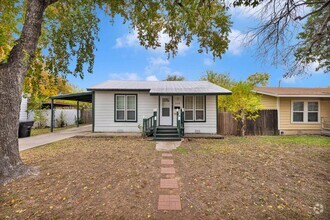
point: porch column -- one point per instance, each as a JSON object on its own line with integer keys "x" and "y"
{"x": 77, "y": 113}
{"x": 52, "y": 116}
{"x": 154, "y": 118}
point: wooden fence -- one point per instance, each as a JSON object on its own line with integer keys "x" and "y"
{"x": 266, "y": 124}
{"x": 86, "y": 116}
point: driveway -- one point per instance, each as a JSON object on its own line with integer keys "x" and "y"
{"x": 35, "y": 141}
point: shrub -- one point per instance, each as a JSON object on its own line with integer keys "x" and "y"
{"x": 61, "y": 121}
{"x": 40, "y": 118}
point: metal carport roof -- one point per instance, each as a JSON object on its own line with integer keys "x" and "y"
{"x": 82, "y": 97}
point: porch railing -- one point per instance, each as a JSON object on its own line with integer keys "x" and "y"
{"x": 149, "y": 124}
{"x": 180, "y": 122}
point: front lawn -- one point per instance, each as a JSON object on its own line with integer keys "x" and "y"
{"x": 268, "y": 177}
{"x": 118, "y": 178}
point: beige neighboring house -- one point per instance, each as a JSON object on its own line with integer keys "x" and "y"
{"x": 300, "y": 110}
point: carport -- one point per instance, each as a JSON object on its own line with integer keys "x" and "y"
{"x": 78, "y": 97}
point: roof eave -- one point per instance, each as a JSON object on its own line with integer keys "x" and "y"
{"x": 291, "y": 96}
{"x": 130, "y": 90}
{"x": 191, "y": 93}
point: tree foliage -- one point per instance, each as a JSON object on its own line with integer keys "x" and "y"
{"x": 243, "y": 103}
{"x": 70, "y": 28}
{"x": 174, "y": 78}
{"x": 315, "y": 40}
{"x": 40, "y": 84}
{"x": 284, "y": 35}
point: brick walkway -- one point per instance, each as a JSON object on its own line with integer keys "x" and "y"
{"x": 169, "y": 198}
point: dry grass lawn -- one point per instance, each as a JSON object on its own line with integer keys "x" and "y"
{"x": 118, "y": 178}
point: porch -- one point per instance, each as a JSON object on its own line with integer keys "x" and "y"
{"x": 151, "y": 127}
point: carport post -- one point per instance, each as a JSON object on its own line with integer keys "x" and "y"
{"x": 77, "y": 113}
{"x": 52, "y": 116}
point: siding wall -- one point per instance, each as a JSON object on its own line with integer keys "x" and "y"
{"x": 269, "y": 102}
{"x": 104, "y": 113}
{"x": 23, "y": 115}
{"x": 301, "y": 128}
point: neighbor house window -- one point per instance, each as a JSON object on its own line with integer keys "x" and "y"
{"x": 305, "y": 111}
{"x": 194, "y": 108}
{"x": 125, "y": 108}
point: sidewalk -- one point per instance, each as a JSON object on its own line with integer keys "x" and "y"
{"x": 38, "y": 140}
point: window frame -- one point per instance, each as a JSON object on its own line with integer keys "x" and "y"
{"x": 305, "y": 112}
{"x": 194, "y": 108}
{"x": 125, "y": 108}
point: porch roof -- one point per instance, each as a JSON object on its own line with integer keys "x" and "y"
{"x": 162, "y": 87}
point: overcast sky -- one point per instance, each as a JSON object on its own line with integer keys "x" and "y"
{"x": 120, "y": 57}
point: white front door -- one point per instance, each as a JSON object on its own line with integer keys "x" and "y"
{"x": 165, "y": 110}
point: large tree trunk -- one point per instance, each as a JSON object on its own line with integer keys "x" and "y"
{"x": 12, "y": 75}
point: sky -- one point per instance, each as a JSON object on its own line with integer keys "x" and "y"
{"x": 120, "y": 57}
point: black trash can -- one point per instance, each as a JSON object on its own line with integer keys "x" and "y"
{"x": 25, "y": 129}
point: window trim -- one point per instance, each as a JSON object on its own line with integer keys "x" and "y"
{"x": 305, "y": 112}
{"x": 125, "y": 108}
{"x": 194, "y": 108}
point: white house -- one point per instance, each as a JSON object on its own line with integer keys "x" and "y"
{"x": 125, "y": 106}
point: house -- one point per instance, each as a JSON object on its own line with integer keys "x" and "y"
{"x": 125, "y": 106}
{"x": 300, "y": 110}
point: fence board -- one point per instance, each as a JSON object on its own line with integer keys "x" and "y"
{"x": 266, "y": 124}
{"x": 86, "y": 116}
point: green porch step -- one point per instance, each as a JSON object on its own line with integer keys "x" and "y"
{"x": 167, "y": 134}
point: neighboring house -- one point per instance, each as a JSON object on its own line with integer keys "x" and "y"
{"x": 121, "y": 106}
{"x": 300, "y": 110}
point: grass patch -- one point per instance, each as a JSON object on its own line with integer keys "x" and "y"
{"x": 39, "y": 131}
{"x": 308, "y": 140}
{"x": 181, "y": 150}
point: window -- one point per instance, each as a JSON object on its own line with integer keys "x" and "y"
{"x": 189, "y": 108}
{"x": 298, "y": 111}
{"x": 313, "y": 111}
{"x": 165, "y": 107}
{"x": 194, "y": 108}
{"x": 125, "y": 108}
{"x": 305, "y": 111}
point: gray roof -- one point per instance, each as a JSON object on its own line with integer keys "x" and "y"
{"x": 162, "y": 87}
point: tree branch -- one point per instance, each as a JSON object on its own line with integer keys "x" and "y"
{"x": 313, "y": 12}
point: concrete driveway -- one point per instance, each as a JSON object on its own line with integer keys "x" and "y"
{"x": 38, "y": 140}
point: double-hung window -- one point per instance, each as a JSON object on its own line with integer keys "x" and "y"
{"x": 305, "y": 111}
{"x": 194, "y": 108}
{"x": 125, "y": 108}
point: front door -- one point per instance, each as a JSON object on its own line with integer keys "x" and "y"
{"x": 165, "y": 110}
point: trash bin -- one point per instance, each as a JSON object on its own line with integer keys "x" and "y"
{"x": 25, "y": 129}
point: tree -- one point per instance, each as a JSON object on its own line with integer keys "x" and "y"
{"x": 220, "y": 79}
{"x": 276, "y": 33}
{"x": 243, "y": 103}
{"x": 174, "y": 78}
{"x": 39, "y": 86}
{"x": 67, "y": 30}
